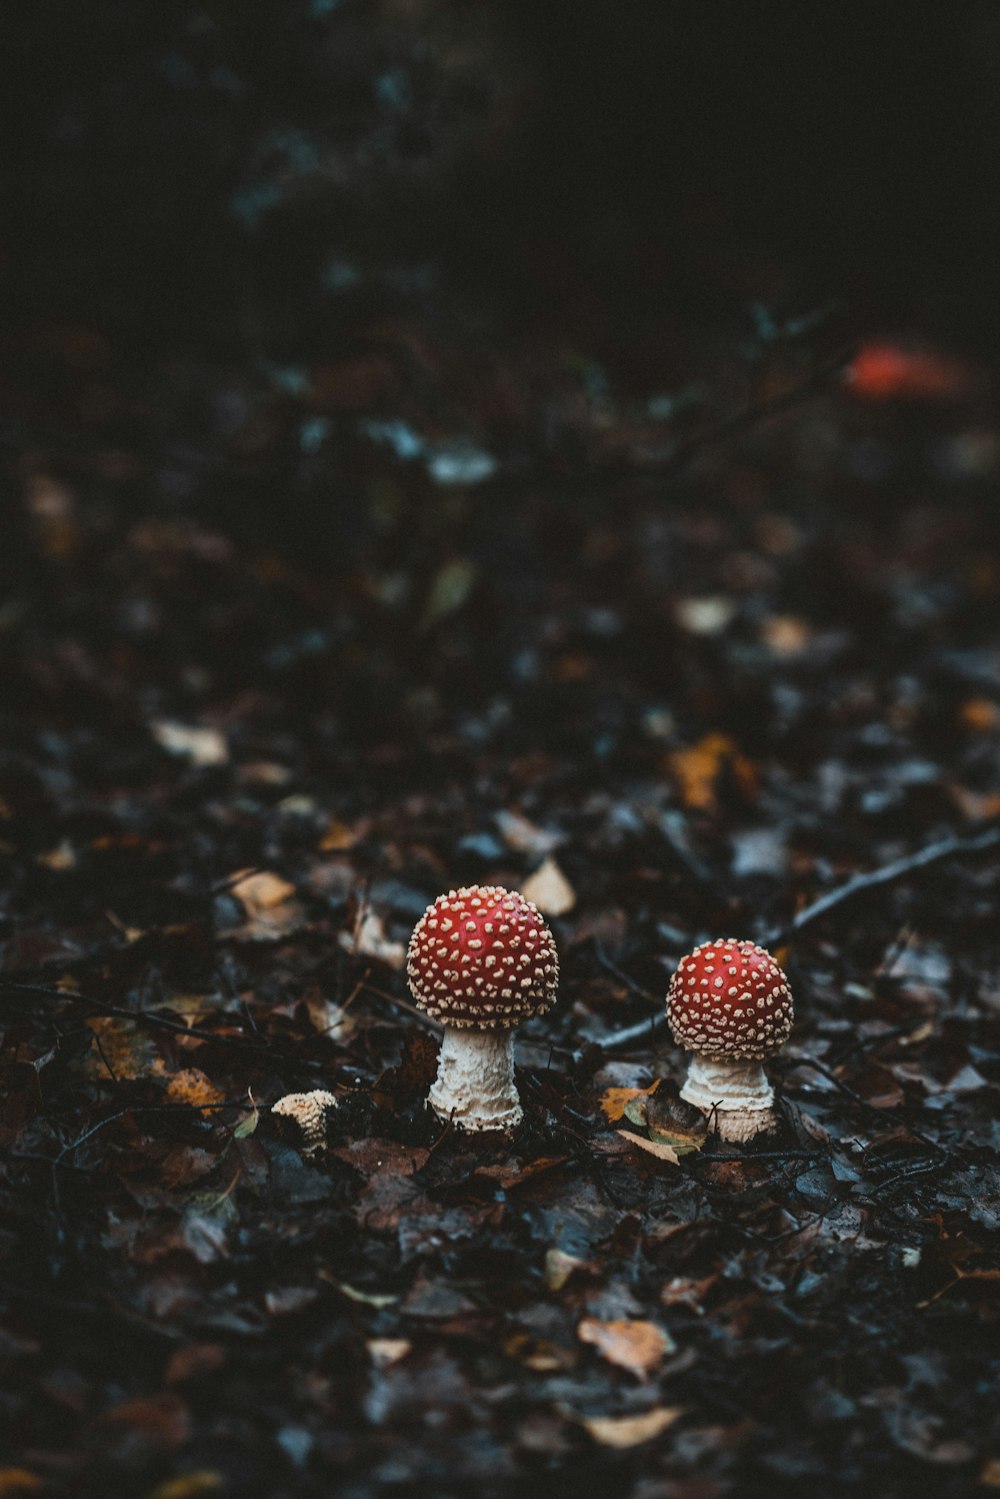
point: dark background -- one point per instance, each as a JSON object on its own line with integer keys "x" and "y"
{"x": 183, "y": 171}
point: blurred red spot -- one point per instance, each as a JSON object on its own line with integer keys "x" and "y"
{"x": 885, "y": 372}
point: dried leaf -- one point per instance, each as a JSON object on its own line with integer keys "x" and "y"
{"x": 662, "y": 1152}
{"x": 559, "y": 1266}
{"x": 631, "y": 1431}
{"x": 203, "y": 747}
{"x": 638, "y": 1347}
{"x": 369, "y": 939}
{"x": 550, "y": 890}
{"x": 192, "y": 1086}
{"x": 386, "y": 1351}
{"x": 261, "y": 891}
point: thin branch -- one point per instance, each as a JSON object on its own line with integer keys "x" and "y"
{"x": 945, "y": 848}
{"x": 163, "y": 1022}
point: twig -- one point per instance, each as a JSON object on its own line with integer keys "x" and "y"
{"x": 945, "y": 848}
{"x": 933, "y": 853}
{"x": 162, "y": 1022}
{"x": 731, "y": 426}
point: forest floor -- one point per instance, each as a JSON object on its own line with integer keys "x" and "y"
{"x": 274, "y": 674}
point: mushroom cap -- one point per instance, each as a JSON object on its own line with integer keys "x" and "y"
{"x": 730, "y": 999}
{"x": 482, "y": 956}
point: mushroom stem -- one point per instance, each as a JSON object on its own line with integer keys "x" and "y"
{"x": 734, "y": 1093}
{"x": 475, "y": 1081}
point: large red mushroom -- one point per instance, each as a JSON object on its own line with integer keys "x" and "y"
{"x": 729, "y": 1003}
{"x": 481, "y": 959}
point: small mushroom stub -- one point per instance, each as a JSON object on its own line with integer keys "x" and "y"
{"x": 481, "y": 959}
{"x": 308, "y": 1111}
{"x": 729, "y": 1003}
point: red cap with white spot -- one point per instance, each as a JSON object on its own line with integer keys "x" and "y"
{"x": 482, "y": 956}
{"x": 730, "y": 999}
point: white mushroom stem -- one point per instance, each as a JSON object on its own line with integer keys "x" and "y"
{"x": 734, "y": 1093}
{"x": 475, "y": 1081}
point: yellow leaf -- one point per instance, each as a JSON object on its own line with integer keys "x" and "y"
{"x": 630, "y": 1431}
{"x": 636, "y": 1346}
{"x": 614, "y": 1100}
{"x": 337, "y": 836}
{"x": 188, "y": 1485}
{"x": 192, "y": 1086}
{"x": 697, "y": 770}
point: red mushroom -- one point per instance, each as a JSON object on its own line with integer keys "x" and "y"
{"x": 730, "y": 1004}
{"x": 482, "y": 960}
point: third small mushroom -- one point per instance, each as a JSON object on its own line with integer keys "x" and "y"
{"x": 729, "y": 1003}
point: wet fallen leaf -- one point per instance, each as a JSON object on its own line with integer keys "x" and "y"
{"x": 636, "y": 1346}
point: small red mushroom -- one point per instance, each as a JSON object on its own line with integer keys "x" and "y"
{"x": 729, "y": 1003}
{"x": 482, "y": 960}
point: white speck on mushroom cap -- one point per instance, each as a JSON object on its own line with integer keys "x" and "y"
{"x": 730, "y": 999}
{"x": 482, "y": 956}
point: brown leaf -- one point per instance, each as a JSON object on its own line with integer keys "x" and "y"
{"x": 636, "y": 1346}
